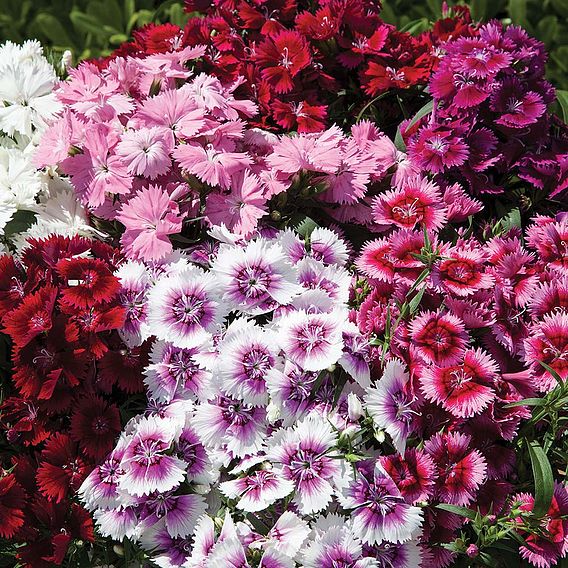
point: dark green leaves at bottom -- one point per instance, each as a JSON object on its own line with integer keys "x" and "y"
{"x": 543, "y": 479}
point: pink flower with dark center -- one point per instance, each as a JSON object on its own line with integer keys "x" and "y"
{"x": 462, "y": 272}
{"x": 375, "y": 260}
{"x": 460, "y": 470}
{"x": 517, "y": 107}
{"x": 418, "y": 202}
{"x": 548, "y": 342}
{"x": 464, "y": 389}
{"x": 438, "y": 338}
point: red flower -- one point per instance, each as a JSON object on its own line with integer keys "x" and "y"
{"x": 162, "y": 38}
{"x": 90, "y": 282}
{"x": 32, "y": 317}
{"x": 12, "y": 503}
{"x": 300, "y": 116}
{"x": 61, "y": 470}
{"x": 22, "y": 422}
{"x": 282, "y": 58}
{"x": 11, "y": 285}
{"x": 123, "y": 367}
{"x": 94, "y": 425}
{"x": 320, "y": 26}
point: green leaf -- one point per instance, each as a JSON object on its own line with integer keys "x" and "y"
{"x": 457, "y": 510}
{"x": 305, "y": 227}
{"x": 85, "y": 23}
{"x": 518, "y": 11}
{"x": 527, "y": 402}
{"x": 53, "y": 29}
{"x": 426, "y": 109}
{"x": 512, "y": 219}
{"x": 561, "y": 6}
{"x": 562, "y": 98}
{"x": 21, "y": 221}
{"x": 415, "y": 27}
{"x": 106, "y": 13}
{"x": 415, "y": 302}
{"x": 554, "y": 374}
{"x": 543, "y": 479}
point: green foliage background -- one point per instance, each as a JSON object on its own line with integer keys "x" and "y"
{"x": 91, "y": 28}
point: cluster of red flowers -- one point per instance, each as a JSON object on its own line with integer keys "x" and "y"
{"x": 295, "y": 59}
{"x": 59, "y": 306}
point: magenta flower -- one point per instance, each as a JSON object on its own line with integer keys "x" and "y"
{"x": 464, "y": 389}
{"x": 146, "y": 463}
{"x": 460, "y": 469}
{"x": 516, "y": 106}
{"x": 241, "y": 209}
{"x": 146, "y": 151}
{"x": 378, "y": 511}
{"x": 149, "y": 217}
{"x": 437, "y": 148}
{"x": 300, "y": 454}
{"x": 375, "y": 260}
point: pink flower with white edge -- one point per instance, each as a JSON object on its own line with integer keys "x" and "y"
{"x": 301, "y": 455}
{"x": 258, "y": 490}
{"x": 255, "y": 279}
{"x": 313, "y": 341}
{"x": 147, "y": 465}
{"x": 184, "y": 307}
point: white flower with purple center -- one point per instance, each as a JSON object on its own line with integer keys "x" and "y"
{"x": 333, "y": 280}
{"x": 167, "y": 551}
{"x": 391, "y": 404}
{"x": 403, "y": 555}
{"x": 117, "y": 523}
{"x": 356, "y": 355}
{"x": 273, "y": 559}
{"x": 100, "y": 488}
{"x": 184, "y": 308}
{"x": 147, "y": 464}
{"x": 312, "y": 340}
{"x": 190, "y": 450}
{"x": 336, "y": 546}
{"x": 378, "y": 510}
{"x": 258, "y": 490}
{"x": 135, "y": 281}
{"x": 246, "y": 359}
{"x": 288, "y": 534}
{"x": 327, "y": 247}
{"x": 175, "y": 371}
{"x": 177, "y": 513}
{"x": 229, "y": 553}
{"x": 302, "y": 455}
{"x": 230, "y": 424}
{"x": 257, "y": 278}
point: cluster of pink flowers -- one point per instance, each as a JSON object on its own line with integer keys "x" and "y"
{"x": 336, "y": 346}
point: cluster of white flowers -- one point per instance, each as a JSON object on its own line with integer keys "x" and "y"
{"x": 27, "y": 104}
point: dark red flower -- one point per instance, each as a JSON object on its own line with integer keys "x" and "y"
{"x": 61, "y": 470}
{"x": 32, "y": 317}
{"x": 300, "y": 116}
{"x": 89, "y": 282}
{"x": 23, "y": 422}
{"x": 12, "y": 503}
{"x": 95, "y": 425}
{"x": 12, "y": 287}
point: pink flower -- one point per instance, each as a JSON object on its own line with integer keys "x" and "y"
{"x": 464, "y": 389}
{"x": 417, "y": 202}
{"x": 149, "y": 218}
{"x": 240, "y": 209}
{"x": 375, "y": 260}
{"x": 146, "y": 152}
{"x": 211, "y": 165}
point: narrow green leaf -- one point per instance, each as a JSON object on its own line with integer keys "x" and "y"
{"x": 527, "y": 402}
{"x": 305, "y": 227}
{"x": 426, "y": 109}
{"x": 554, "y": 374}
{"x": 53, "y": 29}
{"x": 562, "y": 98}
{"x": 543, "y": 479}
{"x": 415, "y": 302}
{"x": 457, "y": 510}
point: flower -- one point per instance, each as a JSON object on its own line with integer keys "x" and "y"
{"x": 390, "y": 403}
{"x": 149, "y": 217}
{"x": 378, "y": 511}
{"x": 12, "y": 503}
